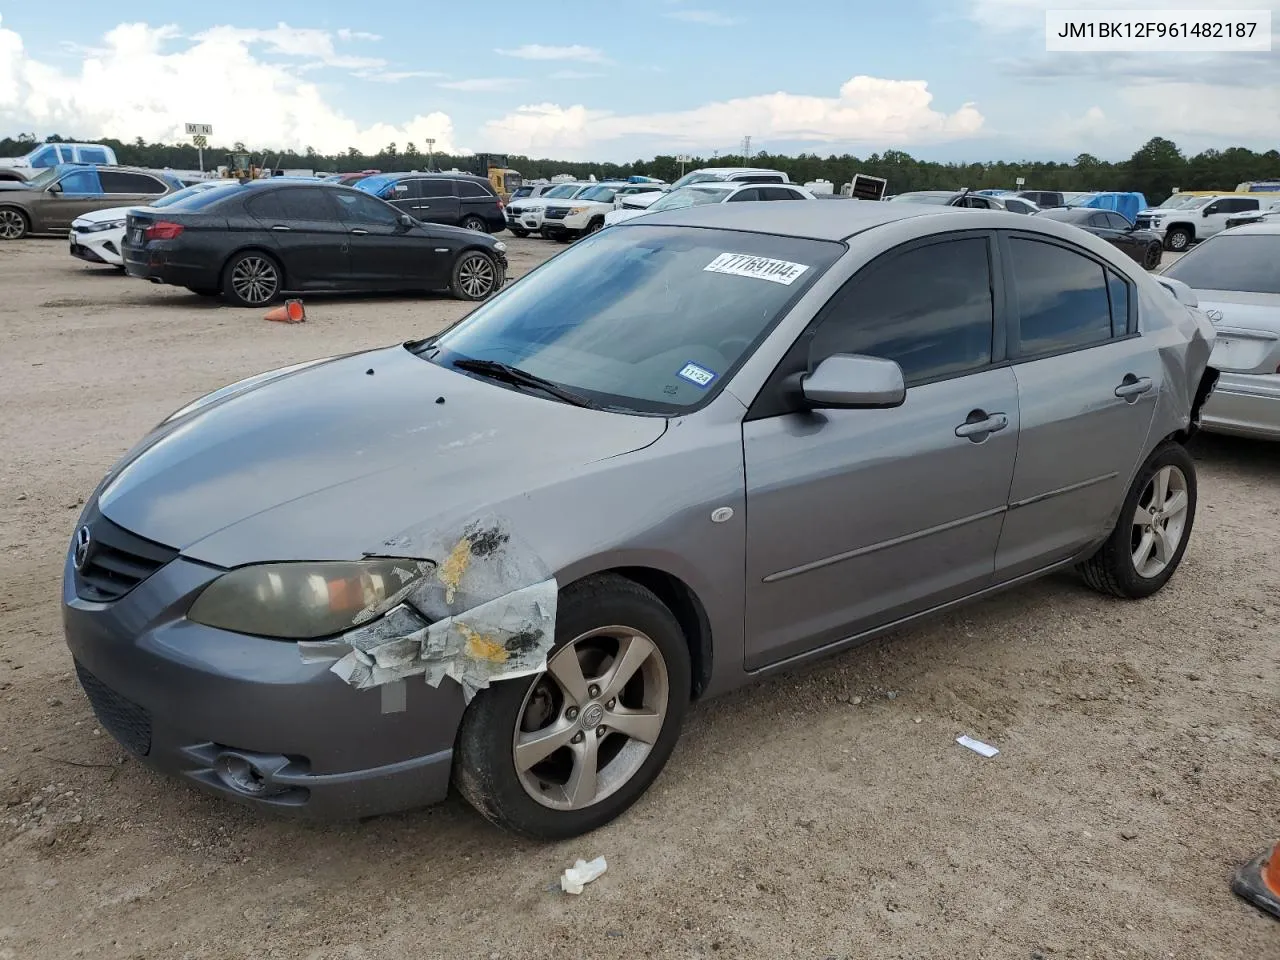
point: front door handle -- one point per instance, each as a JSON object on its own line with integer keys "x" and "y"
{"x": 1131, "y": 387}
{"x": 979, "y": 424}
{"x": 281, "y": 227}
{"x": 359, "y": 232}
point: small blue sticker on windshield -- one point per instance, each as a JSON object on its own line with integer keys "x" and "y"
{"x": 700, "y": 377}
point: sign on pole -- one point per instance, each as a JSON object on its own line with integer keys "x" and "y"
{"x": 1020, "y": 181}
{"x": 200, "y": 134}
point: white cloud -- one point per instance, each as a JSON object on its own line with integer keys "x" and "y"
{"x": 708, "y": 18}
{"x": 136, "y": 86}
{"x": 537, "y": 51}
{"x": 395, "y": 76}
{"x": 484, "y": 84}
{"x": 305, "y": 42}
{"x": 574, "y": 75}
{"x": 867, "y": 110}
{"x": 345, "y": 34}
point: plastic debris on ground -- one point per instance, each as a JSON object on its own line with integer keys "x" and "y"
{"x": 977, "y": 746}
{"x": 582, "y": 873}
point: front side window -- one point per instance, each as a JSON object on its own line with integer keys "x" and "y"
{"x": 361, "y": 208}
{"x": 929, "y": 309}
{"x": 1118, "y": 290}
{"x": 79, "y": 183}
{"x": 1062, "y": 298}
{"x": 1230, "y": 261}
{"x": 650, "y": 319}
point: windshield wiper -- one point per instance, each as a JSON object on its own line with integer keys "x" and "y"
{"x": 497, "y": 370}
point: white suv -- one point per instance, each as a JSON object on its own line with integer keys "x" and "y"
{"x": 1198, "y": 218}
{"x": 566, "y": 220}
{"x": 525, "y": 216}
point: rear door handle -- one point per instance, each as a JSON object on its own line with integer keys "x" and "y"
{"x": 282, "y": 228}
{"x": 979, "y": 424}
{"x": 359, "y": 232}
{"x": 1131, "y": 387}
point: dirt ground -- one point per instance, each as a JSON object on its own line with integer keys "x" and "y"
{"x": 825, "y": 814}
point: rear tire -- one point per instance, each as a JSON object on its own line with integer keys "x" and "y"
{"x": 1155, "y": 253}
{"x": 543, "y": 800}
{"x": 1155, "y": 524}
{"x": 475, "y": 223}
{"x": 252, "y": 279}
{"x": 476, "y": 276}
{"x": 14, "y": 224}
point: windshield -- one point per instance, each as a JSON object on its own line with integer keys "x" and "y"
{"x": 1245, "y": 262}
{"x": 564, "y": 191}
{"x": 189, "y": 192}
{"x": 942, "y": 199}
{"x": 644, "y": 319}
{"x": 1175, "y": 201}
{"x": 690, "y": 197}
{"x": 696, "y": 177}
{"x": 599, "y": 194}
{"x": 521, "y": 192}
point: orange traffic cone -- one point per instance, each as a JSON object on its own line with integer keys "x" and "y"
{"x": 1258, "y": 881}
{"x": 291, "y": 312}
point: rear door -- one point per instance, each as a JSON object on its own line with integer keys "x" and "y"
{"x": 385, "y": 254}
{"x": 308, "y": 233}
{"x": 1087, "y": 387}
{"x": 476, "y": 199}
{"x": 858, "y": 518}
{"x": 438, "y": 202}
{"x": 1213, "y": 219}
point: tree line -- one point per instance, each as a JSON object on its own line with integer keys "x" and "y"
{"x": 1154, "y": 170}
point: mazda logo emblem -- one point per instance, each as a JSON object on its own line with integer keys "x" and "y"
{"x": 1214, "y": 315}
{"x": 81, "y": 554}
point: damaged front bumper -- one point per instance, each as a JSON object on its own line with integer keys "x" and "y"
{"x": 248, "y": 718}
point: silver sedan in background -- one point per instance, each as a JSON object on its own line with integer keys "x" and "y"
{"x": 1236, "y": 278}
{"x": 692, "y": 450}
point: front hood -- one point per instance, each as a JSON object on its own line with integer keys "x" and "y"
{"x": 14, "y": 185}
{"x": 102, "y": 216}
{"x": 336, "y": 459}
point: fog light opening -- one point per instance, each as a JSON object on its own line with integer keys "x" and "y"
{"x": 238, "y": 773}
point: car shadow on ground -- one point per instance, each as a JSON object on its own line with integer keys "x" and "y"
{"x": 1258, "y": 459}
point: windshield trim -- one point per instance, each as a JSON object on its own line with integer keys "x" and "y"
{"x": 633, "y": 406}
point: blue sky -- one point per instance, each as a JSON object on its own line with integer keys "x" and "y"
{"x": 941, "y": 79}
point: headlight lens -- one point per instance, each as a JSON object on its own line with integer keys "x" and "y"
{"x": 306, "y": 601}
{"x": 574, "y": 211}
{"x": 103, "y": 226}
{"x": 500, "y": 247}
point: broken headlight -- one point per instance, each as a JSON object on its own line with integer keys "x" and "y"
{"x": 305, "y": 601}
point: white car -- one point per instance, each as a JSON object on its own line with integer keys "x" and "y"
{"x": 713, "y": 192}
{"x": 1198, "y": 218}
{"x": 96, "y": 236}
{"x": 566, "y": 220}
{"x": 524, "y": 216}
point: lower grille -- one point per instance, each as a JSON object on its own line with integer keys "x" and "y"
{"x": 129, "y": 723}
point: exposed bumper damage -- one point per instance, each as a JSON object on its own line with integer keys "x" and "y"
{"x": 485, "y": 612}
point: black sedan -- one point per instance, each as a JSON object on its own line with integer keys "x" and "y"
{"x": 251, "y": 242}
{"x": 1141, "y": 245}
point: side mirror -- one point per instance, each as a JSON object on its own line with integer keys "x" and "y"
{"x": 55, "y": 188}
{"x": 845, "y": 381}
{"x": 405, "y": 220}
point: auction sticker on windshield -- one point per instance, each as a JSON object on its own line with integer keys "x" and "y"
{"x": 697, "y": 375}
{"x": 761, "y": 268}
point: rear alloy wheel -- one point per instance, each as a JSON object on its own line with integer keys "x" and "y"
{"x": 568, "y": 751}
{"x": 1178, "y": 239}
{"x": 1151, "y": 536}
{"x": 1153, "y": 256}
{"x": 476, "y": 276}
{"x": 13, "y": 224}
{"x": 252, "y": 279}
{"x": 476, "y": 224}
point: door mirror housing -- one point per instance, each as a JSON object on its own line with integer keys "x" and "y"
{"x": 55, "y": 187}
{"x": 405, "y": 220}
{"x": 845, "y": 381}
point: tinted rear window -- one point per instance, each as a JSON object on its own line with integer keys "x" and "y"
{"x": 1243, "y": 262}
{"x": 209, "y": 197}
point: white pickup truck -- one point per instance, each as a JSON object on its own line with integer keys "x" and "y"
{"x": 1200, "y": 217}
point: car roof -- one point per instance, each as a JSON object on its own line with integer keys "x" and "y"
{"x": 1267, "y": 228}
{"x": 817, "y": 221}
{"x": 429, "y": 175}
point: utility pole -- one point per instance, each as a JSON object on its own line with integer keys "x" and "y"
{"x": 431, "y": 142}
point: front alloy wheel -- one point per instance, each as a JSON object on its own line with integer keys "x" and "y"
{"x": 13, "y": 225}
{"x": 569, "y": 750}
{"x": 476, "y": 276}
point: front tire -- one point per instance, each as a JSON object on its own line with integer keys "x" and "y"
{"x": 252, "y": 279}
{"x": 1153, "y": 256}
{"x": 1177, "y": 239}
{"x": 1153, "y": 531}
{"x": 476, "y": 276}
{"x": 571, "y": 749}
{"x": 14, "y": 224}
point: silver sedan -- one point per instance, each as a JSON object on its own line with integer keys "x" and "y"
{"x": 1236, "y": 278}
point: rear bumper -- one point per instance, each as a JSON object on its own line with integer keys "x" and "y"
{"x": 163, "y": 266}
{"x": 1243, "y": 405}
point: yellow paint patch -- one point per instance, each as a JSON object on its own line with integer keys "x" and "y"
{"x": 480, "y": 647}
{"x": 454, "y": 567}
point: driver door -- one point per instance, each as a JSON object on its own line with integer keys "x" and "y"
{"x": 76, "y": 192}
{"x": 386, "y": 254}
{"x": 859, "y": 518}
